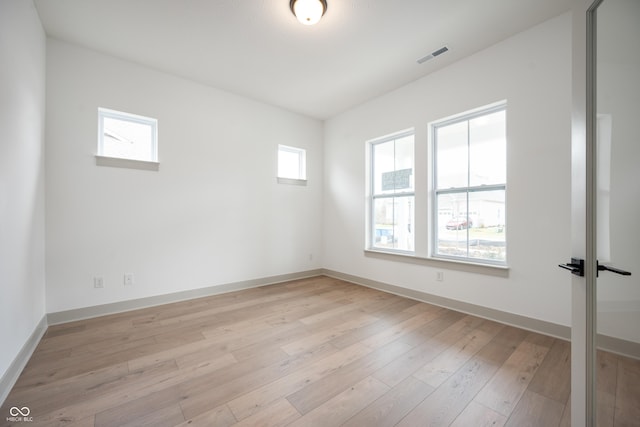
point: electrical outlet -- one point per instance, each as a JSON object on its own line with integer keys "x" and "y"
{"x": 439, "y": 276}
{"x": 98, "y": 282}
{"x": 129, "y": 279}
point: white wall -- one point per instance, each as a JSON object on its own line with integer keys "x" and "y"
{"x": 22, "y": 102}
{"x": 212, "y": 215}
{"x": 532, "y": 72}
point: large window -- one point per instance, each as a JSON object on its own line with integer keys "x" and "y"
{"x": 127, "y": 136}
{"x": 392, "y": 193}
{"x": 470, "y": 177}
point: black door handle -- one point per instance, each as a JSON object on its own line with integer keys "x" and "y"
{"x": 602, "y": 267}
{"x": 576, "y": 266}
{"x": 572, "y": 268}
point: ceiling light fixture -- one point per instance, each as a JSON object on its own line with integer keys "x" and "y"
{"x": 308, "y": 12}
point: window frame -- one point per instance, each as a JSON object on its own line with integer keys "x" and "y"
{"x": 468, "y": 190}
{"x": 127, "y": 162}
{"x": 372, "y": 196}
{"x": 302, "y": 165}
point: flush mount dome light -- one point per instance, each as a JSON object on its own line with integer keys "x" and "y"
{"x": 308, "y": 12}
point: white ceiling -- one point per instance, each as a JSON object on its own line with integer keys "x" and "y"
{"x": 256, "y": 48}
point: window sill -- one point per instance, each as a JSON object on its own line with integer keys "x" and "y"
{"x": 451, "y": 264}
{"x": 116, "y": 162}
{"x": 292, "y": 181}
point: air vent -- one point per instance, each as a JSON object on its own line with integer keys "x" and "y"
{"x": 432, "y": 55}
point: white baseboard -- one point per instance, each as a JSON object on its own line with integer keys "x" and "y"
{"x": 11, "y": 375}
{"x": 619, "y": 346}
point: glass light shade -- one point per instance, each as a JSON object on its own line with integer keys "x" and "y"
{"x": 308, "y": 12}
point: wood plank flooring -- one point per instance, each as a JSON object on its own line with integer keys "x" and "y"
{"x": 312, "y": 352}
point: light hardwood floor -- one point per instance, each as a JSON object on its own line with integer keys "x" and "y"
{"x": 312, "y": 352}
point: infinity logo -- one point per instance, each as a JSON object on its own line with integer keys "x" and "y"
{"x": 15, "y": 411}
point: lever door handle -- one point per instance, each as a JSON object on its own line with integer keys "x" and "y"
{"x": 602, "y": 267}
{"x": 576, "y": 266}
{"x": 571, "y": 267}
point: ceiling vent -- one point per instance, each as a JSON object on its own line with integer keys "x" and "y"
{"x": 432, "y": 55}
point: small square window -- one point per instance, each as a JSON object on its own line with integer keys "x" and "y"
{"x": 127, "y": 136}
{"x": 292, "y": 163}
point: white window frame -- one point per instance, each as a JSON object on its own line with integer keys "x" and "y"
{"x": 464, "y": 117}
{"x": 371, "y": 237}
{"x": 126, "y": 162}
{"x": 301, "y": 178}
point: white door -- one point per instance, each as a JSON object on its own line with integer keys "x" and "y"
{"x": 605, "y": 199}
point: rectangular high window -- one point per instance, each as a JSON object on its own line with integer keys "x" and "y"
{"x": 392, "y": 198}
{"x": 470, "y": 179}
{"x": 127, "y": 136}
{"x": 292, "y": 163}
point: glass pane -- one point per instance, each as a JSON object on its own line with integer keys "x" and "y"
{"x": 472, "y": 227}
{"x": 404, "y": 164}
{"x": 618, "y": 200}
{"x": 126, "y": 139}
{"x": 487, "y": 237}
{"x": 488, "y": 149}
{"x": 393, "y": 166}
{"x": 452, "y": 224}
{"x": 383, "y": 164}
{"x": 289, "y": 164}
{"x": 393, "y": 223}
{"x": 452, "y": 156}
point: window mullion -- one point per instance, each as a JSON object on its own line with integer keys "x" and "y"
{"x": 394, "y": 219}
{"x": 468, "y": 182}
